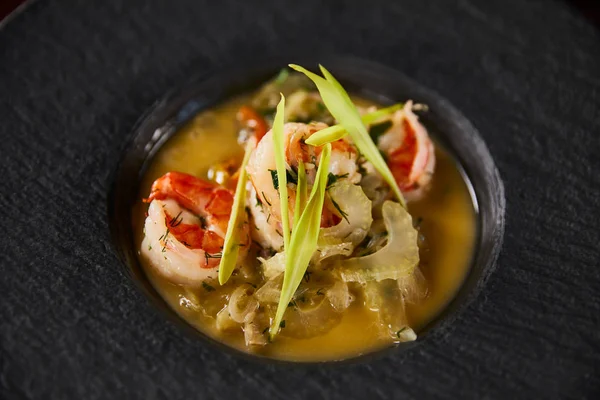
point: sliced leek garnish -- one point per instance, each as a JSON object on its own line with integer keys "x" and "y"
{"x": 340, "y": 105}
{"x": 231, "y": 245}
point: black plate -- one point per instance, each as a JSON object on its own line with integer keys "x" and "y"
{"x": 365, "y": 78}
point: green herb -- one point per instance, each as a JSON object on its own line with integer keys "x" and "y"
{"x": 149, "y": 247}
{"x": 332, "y": 178}
{"x": 208, "y": 255}
{"x": 320, "y": 292}
{"x": 291, "y": 177}
{"x": 267, "y": 200}
{"x": 282, "y": 76}
{"x": 337, "y": 207}
{"x": 379, "y": 129}
{"x": 279, "y": 151}
{"x": 176, "y": 221}
{"x": 341, "y": 107}
{"x": 265, "y": 330}
{"x": 207, "y": 287}
{"x": 274, "y": 179}
{"x": 303, "y": 241}
{"x": 282, "y": 324}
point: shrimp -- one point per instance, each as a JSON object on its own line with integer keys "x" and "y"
{"x": 185, "y": 227}
{"x": 264, "y": 201}
{"x": 410, "y": 153}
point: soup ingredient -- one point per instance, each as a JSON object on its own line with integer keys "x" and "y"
{"x": 396, "y": 260}
{"x": 303, "y": 242}
{"x": 409, "y": 152}
{"x": 341, "y": 107}
{"x": 281, "y": 185}
{"x": 337, "y": 132}
{"x": 265, "y": 207}
{"x": 237, "y": 221}
{"x": 186, "y": 223}
{"x": 252, "y": 122}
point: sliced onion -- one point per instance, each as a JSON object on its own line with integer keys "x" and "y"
{"x": 386, "y": 299}
{"x": 224, "y": 322}
{"x": 397, "y": 259}
{"x": 274, "y": 265}
{"x": 357, "y": 208}
{"x": 270, "y": 291}
{"x": 253, "y": 334}
{"x": 413, "y": 287}
{"x": 339, "y": 296}
{"x": 242, "y": 305}
{"x": 303, "y": 321}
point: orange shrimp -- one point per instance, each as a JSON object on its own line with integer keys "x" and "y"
{"x": 186, "y": 225}
{"x": 264, "y": 202}
{"x": 410, "y": 153}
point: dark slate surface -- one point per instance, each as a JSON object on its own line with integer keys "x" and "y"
{"x": 74, "y": 77}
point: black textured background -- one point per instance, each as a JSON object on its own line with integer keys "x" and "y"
{"x": 75, "y": 76}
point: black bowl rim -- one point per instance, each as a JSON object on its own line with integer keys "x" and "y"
{"x": 482, "y": 265}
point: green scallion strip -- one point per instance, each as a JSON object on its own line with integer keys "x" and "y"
{"x": 341, "y": 107}
{"x": 337, "y": 132}
{"x": 301, "y": 194}
{"x": 279, "y": 150}
{"x": 231, "y": 245}
{"x": 303, "y": 243}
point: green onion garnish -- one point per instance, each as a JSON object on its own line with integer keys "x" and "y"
{"x": 230, "y": 246}
{"x": 341, "y": 107}
{"x": 301, "y": 194}
{"x": 336, "y": 132}
{"x": 279, "y": 151}
{"x": 303, "y": 242}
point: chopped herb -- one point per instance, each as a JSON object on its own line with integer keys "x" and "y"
{"x": 203, "y": 223}
{"x": 149, "y": 247}
{"x": 208, "y": 255}
{"x": 207, "y": 287}
{"x": 265, "y": 197}
{"x": 307, "y": 276}
{"x": 282, "y": 324}
{"x": 379, "y": 129}
{"x": 321, "y": 107}
{"x": 320, "y": 292}
{"x": 291, "y": 176}
{"x": 275, "y": 179}
{"x": 332, "y": 178}
{"x": 342, "y": 213}
{"x": 258, "y": 201}
{"x": 176, "y": 221}
{"x": 265, "y": 330}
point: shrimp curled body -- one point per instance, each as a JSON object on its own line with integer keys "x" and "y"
{"x": 185, "y": 228}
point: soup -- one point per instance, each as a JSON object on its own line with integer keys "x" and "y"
{"x": 314, "y": 327}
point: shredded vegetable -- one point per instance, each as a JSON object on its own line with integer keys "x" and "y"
{"x": 303, "y": 242}
{"x": 231, "y": 245}
{"x": 341, "y": 107}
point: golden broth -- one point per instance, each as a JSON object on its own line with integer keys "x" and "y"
{"x": 448, "y": 222}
